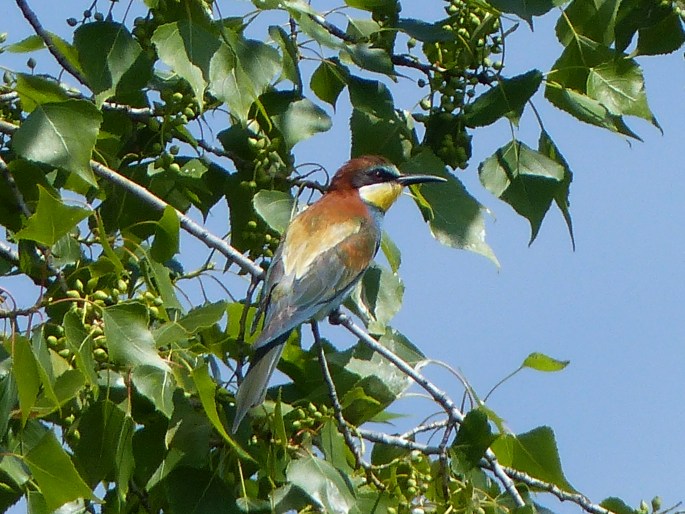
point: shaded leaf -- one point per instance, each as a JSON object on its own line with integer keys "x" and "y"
{"x": 275, "y": 208}
{"x": 105, "y": 448}
{"x": 129, "y": 340}
{"x": 291, "y": 70}
{"x": 206, "y": 389}
{"x": 62, "y": 135}
{"x": 506, "y": 98}
{"x": 328, "y": 81}
{"x": 166, "y": 242}
{"x": 525, "y": 9}
{"x": 111, "y": 59}
{"x": 547, "y": 147}
{"x": 55, "y": 474}
{"x": 424, "y": 31}
{"x": 453, "y": 215}
{"x": 535, "y": 453}
{"x": 295, "y": 117}
{"x": 595, "y": 21}
{"x": 369, "y": 58}
{"x": 473, "y": 439}
{"x": 25, "y": 371}
{"x": 187, "y": 48}
{"x": 334, "y": 448}
{"x": 525, "y": 179}
{"x": 192, "y": 490}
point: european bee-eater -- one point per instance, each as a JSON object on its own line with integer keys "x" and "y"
{"x": 322, "y": 255}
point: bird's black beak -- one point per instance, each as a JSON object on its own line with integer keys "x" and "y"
{"x": 407, "y": 180}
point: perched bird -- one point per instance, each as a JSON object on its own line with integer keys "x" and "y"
{"x": 322, "y": 255}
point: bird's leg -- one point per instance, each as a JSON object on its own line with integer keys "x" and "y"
{"x": 334, "y": 317}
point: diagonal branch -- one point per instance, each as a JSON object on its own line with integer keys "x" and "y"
{"x": 47, "y": 39}
{"x": 438, "y": 395}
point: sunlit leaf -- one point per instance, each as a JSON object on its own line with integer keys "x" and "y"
{"x": 542, "y": 362}
{"x": 129, "y": 340}
{"x": 535, "y": 453}
{"x": 166, "y": 242}
{"x": 157, "y": 386}
{"x": 275, "y": 208}
{"x": 60, "y": 134}
{"x": 55, "y": 474}
{"x": 453, "y": 215}
{"x": 323, "y": 484}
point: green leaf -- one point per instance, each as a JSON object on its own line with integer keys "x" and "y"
{"x": 525, "y": 9}
{"x": 105, "y": 448}
{"x": 111, "y": 59}
{"x": 26, "y": 376}
{"x": 324, "y": 485}
{"x": 55, "y": 474}
{"x": 297, "y": 118}
{"x": 62, "y": 135}
{"x": 473, "y": 439}
{"x": 206, "y": 389}
{"x": 371, "y": 5}
{"x": 423, "y": 31}
{"x": 620, "y": 87}
{"x": 291, "y": 70}
{"x": 663, "y": 37}
{"x": 328, "y": 81}
{"x": 157, "y": 386}
{"x": 187, "y": 48}
{"x": 166, "y": 244}
{"x": 506, "y": 98}
{"x": 525, "y": 179}
{"x": 535, "y": 453}
{"x": 193, "y": 490}
{"x": 377, "y": 128}
{"x": 368, "y": 58}
{"x": 455, "y": 218}
{"x": 547, "y": 147}
{"x": 239, "y": 74}
{"x": 334, "y": 448}
{"x": 275, "y": 208}
{"x": 129, "y": 340}
{"x": 618, "y": 506}
{"x": 52, "y": 219}
{"x": 8, "y": 400}
{"x": 34, "y": 91}
{"x": 595, "y": 21}
{"x": 378, "y": 297}
{"x": 542, "y": 362}
{"x": 588, "y": 110}
{"x": 391, "y": 252}
{"x": 203, "y": 317}
{"x": 29, "y": 44}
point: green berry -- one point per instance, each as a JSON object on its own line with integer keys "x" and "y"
{"x": 73, "y": 293}
{"x": 31, "y": 63}
{"x": 72, "y": 22}
{"x": 174, "y": 167}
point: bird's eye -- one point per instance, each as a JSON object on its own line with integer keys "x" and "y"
{"x": 378, "y": 173}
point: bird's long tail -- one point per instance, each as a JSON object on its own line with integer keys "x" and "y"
{"x": 252, "y": 391}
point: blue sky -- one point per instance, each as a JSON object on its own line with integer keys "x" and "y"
{"x": 614, "y": 307}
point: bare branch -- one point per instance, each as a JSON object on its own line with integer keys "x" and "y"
{"x": 337, "y": 409}
{"x": 7, "y": 253}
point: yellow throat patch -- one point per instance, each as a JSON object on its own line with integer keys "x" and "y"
{"x": 381, "y": 195}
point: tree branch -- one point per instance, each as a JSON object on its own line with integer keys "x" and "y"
{"x": 49, "y": 43}
{"x": 7, "y": 253}
{"x": 438, "y": 395}
{"x": 337, "y": 410}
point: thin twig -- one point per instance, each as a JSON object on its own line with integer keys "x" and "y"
{"x": 398, "y": 441}
{"x": 337, "y": 410}
{"x": 7, "y": 253}
{"x": 438, "y": 395}
{"x": 49, "y": 43}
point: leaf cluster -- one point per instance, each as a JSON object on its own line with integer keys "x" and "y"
{"x": 116, "y": 386}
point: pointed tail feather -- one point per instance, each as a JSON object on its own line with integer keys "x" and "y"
{"x": 252, "y": 391}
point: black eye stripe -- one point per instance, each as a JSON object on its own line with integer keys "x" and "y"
{"x": 382, "y": 173}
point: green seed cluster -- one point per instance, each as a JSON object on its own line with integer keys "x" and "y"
{"x": 409, "y": 479}
{"x": 311, "y": 417}
{"x": 466, "y": 61}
